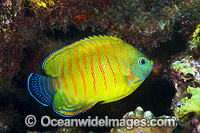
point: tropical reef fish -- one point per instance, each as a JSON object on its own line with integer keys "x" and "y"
{"x": 98, "y": 69}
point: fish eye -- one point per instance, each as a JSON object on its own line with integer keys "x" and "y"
{"x": 142, "y": 61}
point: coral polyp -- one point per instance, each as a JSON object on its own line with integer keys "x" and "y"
{"x": 140, "y": 114}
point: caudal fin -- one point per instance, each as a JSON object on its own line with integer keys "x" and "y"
{"x": 41, "y": 88}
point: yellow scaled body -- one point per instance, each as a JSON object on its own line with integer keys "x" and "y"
{"x": 96, "y": 69}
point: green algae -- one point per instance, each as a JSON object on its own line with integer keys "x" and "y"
{"x": 189, "y": 104}
{"x": 183, "y": 66}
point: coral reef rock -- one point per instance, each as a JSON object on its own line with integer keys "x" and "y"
{"x": 9, "y": 119}
{"x": 185, "y": 74}
{"x": 193, "y": 126}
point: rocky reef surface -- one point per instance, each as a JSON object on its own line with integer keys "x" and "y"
{"x": 185, "y": 74}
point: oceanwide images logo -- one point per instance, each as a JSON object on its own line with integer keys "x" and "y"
{"x": 46, "y": 121}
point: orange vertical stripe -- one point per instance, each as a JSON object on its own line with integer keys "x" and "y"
{"x": 130, "y": 52}
{"x": 116, "y": 60}
{"x": 56, "y": 65}
{"x": 83, "y": 54}
{"x": 81, "y": 72}
{"x": 106, "y": 55}
{"x": 126, "y": 52}
{"x": 63, "y": 78}
{"x": 56, "y": 84}
{"x": 121, "y": 54}
{"x": 93, "y": 75}
{"x": 52, "y": 67}
{"x": 70, "y": 73}
{"x": 50, "y": 85}
{"x": 100, "y": 65}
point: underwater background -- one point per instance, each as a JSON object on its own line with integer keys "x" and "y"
{"x": 167, "y": 32}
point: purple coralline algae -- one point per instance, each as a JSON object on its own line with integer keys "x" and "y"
{"x": 15, "y": 29}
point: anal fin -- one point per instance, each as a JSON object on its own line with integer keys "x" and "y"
{"x": 63, "y": 107}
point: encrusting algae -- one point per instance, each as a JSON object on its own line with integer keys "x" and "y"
{"x": 185, "y": 73}
{"x": 188, "y": 105}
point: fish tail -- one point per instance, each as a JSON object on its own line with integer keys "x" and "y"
{"x": 42, "y": 88}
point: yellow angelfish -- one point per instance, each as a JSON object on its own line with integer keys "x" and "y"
{"x": 96, "y": 69}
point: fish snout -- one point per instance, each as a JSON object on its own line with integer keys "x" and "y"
{"x": 152, "y": 64}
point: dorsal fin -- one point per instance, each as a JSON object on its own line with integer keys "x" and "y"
{"x": 49, "y": 64}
